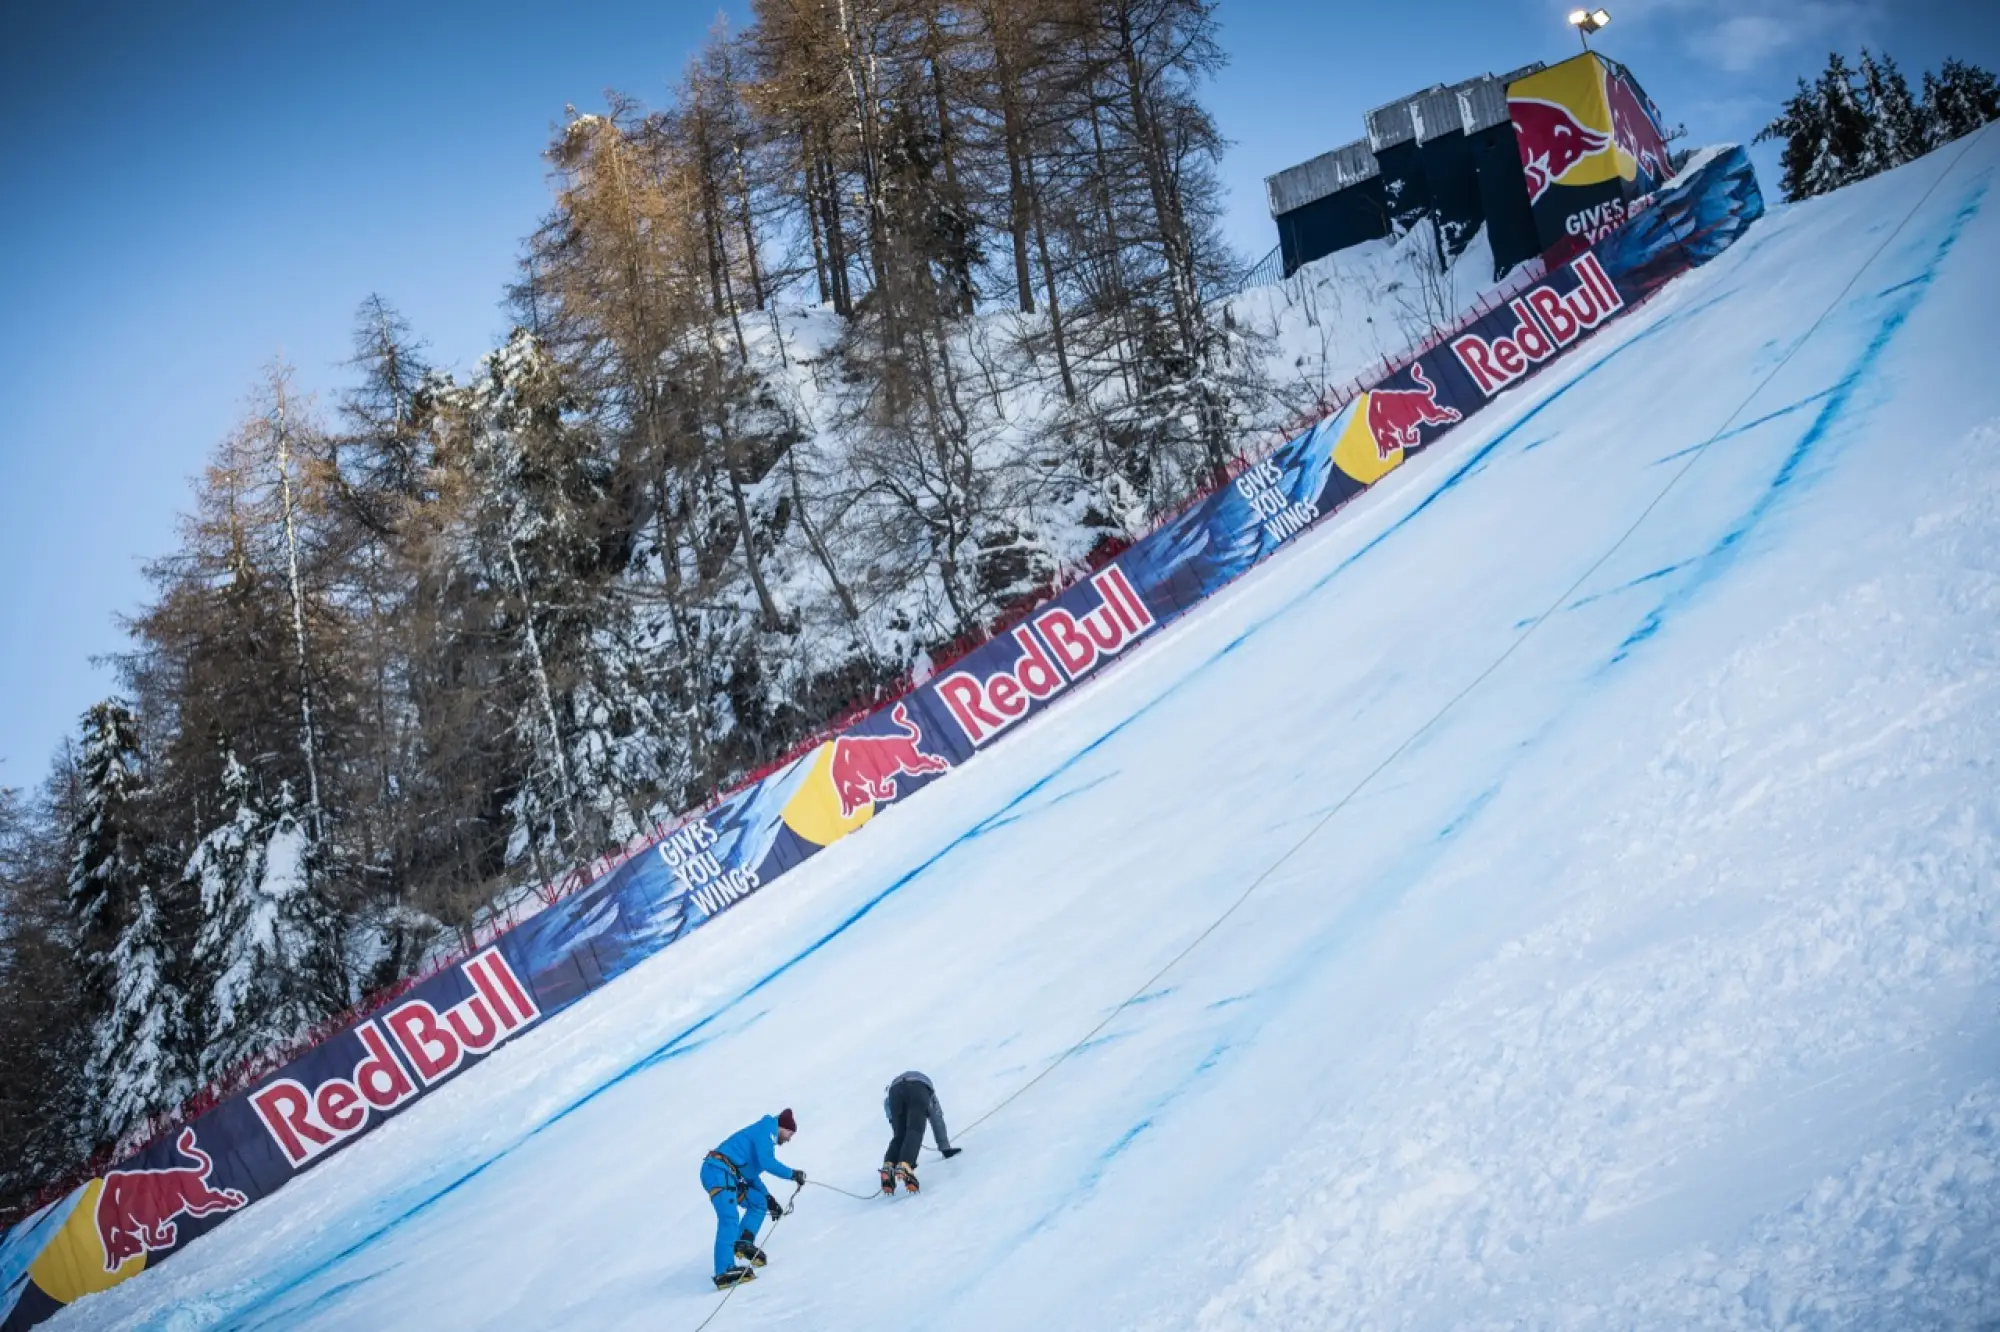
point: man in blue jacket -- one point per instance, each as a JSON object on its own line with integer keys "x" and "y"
{"x": 733, "y": 1175}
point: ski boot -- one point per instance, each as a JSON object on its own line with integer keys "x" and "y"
{"x": 750, "y": 1253}
{"x": 888, "y": 1180}
{"x": 908, "y": 1175}
{"x": 735, "y": 1276}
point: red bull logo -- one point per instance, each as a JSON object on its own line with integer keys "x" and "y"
{"x": 1634, "y": 128}
{"x": 1552, "y": 141}
{"x": 865, "y": 767}
{"x": 1395, "y": 415}
{"x": 1077, "y": 643}
{"x": 308, "y": 1122}
{"x": 136, "y": 1210}
{"x": 1546, "y": 321}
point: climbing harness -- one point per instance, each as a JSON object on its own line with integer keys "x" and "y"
{"x": 742, "y": 1184}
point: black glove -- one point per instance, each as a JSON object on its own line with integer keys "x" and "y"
{"x": 950, "y": 1152}
{"x": 774, "y": 1207}
{"x": 798, "y": 1177}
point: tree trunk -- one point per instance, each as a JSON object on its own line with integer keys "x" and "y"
{"x": 1012, "y": 141}
{"x": 547, "y": 696}
{"x": 1049, "y": 278}
{"x": 749, "y": 229}
{"x": 306, "y": 728}
{"x": 818, "y": 248}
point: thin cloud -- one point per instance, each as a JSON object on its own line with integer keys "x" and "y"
{"x": 1737, "y": 36}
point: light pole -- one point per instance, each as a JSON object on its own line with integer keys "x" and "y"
{"x": 1587, "y": 21}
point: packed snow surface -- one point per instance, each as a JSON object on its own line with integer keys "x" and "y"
{"x": 1623, "y": 817}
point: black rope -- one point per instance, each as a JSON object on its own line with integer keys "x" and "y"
{"x": 864, "y": 1197}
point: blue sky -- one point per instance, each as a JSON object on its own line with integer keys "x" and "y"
{"x": 193, "y": 190}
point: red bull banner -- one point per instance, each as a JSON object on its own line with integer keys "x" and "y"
{"x": 175, "y": 1190}
{"x": 184, "y": 1185}
{"x": 1591, "y": 146}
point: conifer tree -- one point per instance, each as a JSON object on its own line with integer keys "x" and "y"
{"x": 1899, "y": 130}
{"x": 1850, "y": 124}
{"x": 139, "y": 1065}
{"x": 138, "y": 1048}
{"x": 107, "y": 864}
{"x": 267, "y": 955}
{"x": 1959, "y": 99}
{"x": 45, "y": 1025}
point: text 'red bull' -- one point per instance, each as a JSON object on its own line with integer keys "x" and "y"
{"x": 865, "y": 767}
{"x": 1076, "y": 645}
{"x": 305, "y": 1123}
{"x": 136, "y": 1209}
{"x": 1547, "y": 321}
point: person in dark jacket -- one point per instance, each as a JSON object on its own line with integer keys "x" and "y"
{"x": 733, "y": 1175}
{"x": 911, "y": 1101}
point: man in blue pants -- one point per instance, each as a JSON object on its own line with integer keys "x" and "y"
{"x": 733, "y": 1175}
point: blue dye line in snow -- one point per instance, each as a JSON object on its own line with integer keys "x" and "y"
{"x": 1834, "y": 406}
{"x": 1096, "y": 1042}
{"x": 1748, "y": 426}
{"x": 1241, "y": 1032}
{"x": 996, "y": 823}
{"x": 679, "y": 1043}
{"x": 333, "y": 1295}
{"x": 1640, "y": 581}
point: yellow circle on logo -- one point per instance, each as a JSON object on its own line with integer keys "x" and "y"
{"x": 814, "y": 812}
{"x": 72, "y": 1266}
{"x": 1355, "y": 450}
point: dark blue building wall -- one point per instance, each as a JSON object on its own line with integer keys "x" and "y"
{"x": 1503, "y": 194}
{"x": 1452, "y": 183}
{"x": 1403, "y": 183}
{"x": 1346, "y": 217}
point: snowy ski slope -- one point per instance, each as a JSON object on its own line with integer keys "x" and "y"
{"x": 1650, "y": 977}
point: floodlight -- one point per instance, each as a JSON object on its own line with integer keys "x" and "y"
{"x": 1587, "y": 21}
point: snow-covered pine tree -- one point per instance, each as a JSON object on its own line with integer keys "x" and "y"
{"x": 1845, "y": 156}
{"x": 107, "y": 853}
{"x": 44, "y": 1023}
{"x": 1829, "y": 134}
{"x": 1802, "y": 128}
{"x": 528, "y": 548}
{"x": 1898, "y": 129}
{"x": 1958, "y": 99}
{"x": 267, "y": 955}
{"x": 139, "y": 1065}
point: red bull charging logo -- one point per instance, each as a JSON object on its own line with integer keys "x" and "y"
{"x": 865, "y": 767}
{"x": 137, "y": 1209}
{"x": 1552, "y": 141}
{"x": 1395, "y": 415}
{"x": 1634, "y": 128}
